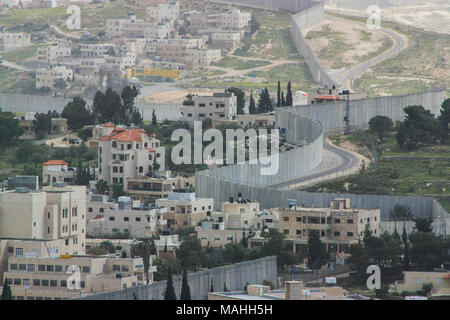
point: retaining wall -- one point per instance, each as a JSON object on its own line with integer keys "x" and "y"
{"x": 235, "y": 276}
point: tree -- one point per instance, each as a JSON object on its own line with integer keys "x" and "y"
{"x": 380, "y": 125}
{"x": 108, "y": 246}
{"x": 252, "y": 105}
{"x": 423, "y": 224}
{"x": 212, "y": 287}
{"x": 60, "y": 83}
{"x": 419, "y": 127}
{"x": 279, "y": 94}
{"x": 42, "y": 125}
{"x": 82, "y": 175}
{"x": 400, "y": 213}
{"x": 190, "y": 253}
{"x": 316, "y": 251}
{"x": 265, "y": 102}
{"x": 169, "y": 294}
{"x": 117, "y": 190}
{"x": 9, "y": 128}
{"x": 108, "y": 107}
{"x": 225, "y": 289}
{"x": 6, "y": 294}
{"x": 444, "y": 117}
{"x": 276, "y": 245}
{"x": 128, "y": 95}
{"x": 101, "y": 186}
{"x": 289, "y": 97}
{"x": 283, "y": 100}
{"x": 154, "y": 121}
{"x": 135, "y": 296}
{"x": 144, "y": 249}
{"x": 240, "y": 95}
{"x": 185, "y": 289}
{"x": 428, "y": 251}
{"x": 254, "y": 25}
{"x": 406, "y": 254}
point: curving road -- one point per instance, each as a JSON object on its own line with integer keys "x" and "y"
{"x": 345, "y": 78}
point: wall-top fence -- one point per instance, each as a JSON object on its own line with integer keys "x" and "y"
{"x": 235, "y": 277}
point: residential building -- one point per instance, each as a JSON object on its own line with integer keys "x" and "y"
{"x": 127, "y": 154}
{"x": 258, "y": 120}
{"x": 96, "y": 205}
{"x": 197, "y": 58}
{"x": 96, "y": 50}
{"x": 128, "y": 218}
{"x": 235, "y": 19}
{"x": 149, "y": 189}
{"x": 52, "y": 278}
{"x": 226, "y": 40}
{"x": 184, "y": 209}
{"x": 12, "y": 40}
{"x": 58, "y": 126}
{"x": 46, "y": 77}
{"x": 56, "y": 212}
{"x": 56, "y": 171}
{"x": 338, "y": 226}
{"x": 214, "y": 234}
{"x": 136, "y": 28}
{"x": 53, "y": 54}
{"x": 167, "y": 12}
{"x": 414, "y": 280}
{"x": 219, "y": 106}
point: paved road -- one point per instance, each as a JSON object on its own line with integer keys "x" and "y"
{"x": 346, "y": 77}
{"x": 336, "y": 160}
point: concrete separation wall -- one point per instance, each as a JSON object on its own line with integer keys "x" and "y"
{"x": 30, "y": 103}
{"x": 292, "y": 6}
{"x": 235, "y": 276}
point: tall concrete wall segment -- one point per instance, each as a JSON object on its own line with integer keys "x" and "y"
{"x": 292, "y": 6}
{"x": 235, "y": 276}
{"x": 331, "y": 115}
{"x": 42, "y": 104}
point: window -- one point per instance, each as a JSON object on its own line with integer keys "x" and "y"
{"x": 50, "y": 267}
{"x": 116, "y": 267}
{"x": 31, "y": 268}
{"x": 58, "y": 268}
{"x": 337, "y": 233}
{"x": 63, "y": 283}
{"x": 350, "y": 221}
{"x": 125, "y": 269}
{"x": 86, "y": 269}
{"x": 22, "y": 267}
{"x": 111, "y": 218}
{"x": 299, "y": 219}
{"x": 126, "y": 219}
{"x": 36, "y": 282}
{"x": 82, "y": 285}
{"x": 286, "y": 219}
{"x": 90, "y": 210}
{"x": 299, "y": 232}
{"x": 349, "y": 234}
{"x": 19, "y": 252}
{"x": 10, "y": 249}
{"x": 337, "y": 220}
{"x": 53, "y": 283}
{"x": 17, "y": 282}
{"x": 45, "y": 283}
{"x": 286, "y": 231}
{"x": 13, "y": 266}
{"x": 138, "y": 219}
{"x": 41, "y": 267}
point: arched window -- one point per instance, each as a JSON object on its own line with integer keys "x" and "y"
{"x": 114, "y": 144}
{"x": 146, "y": 145}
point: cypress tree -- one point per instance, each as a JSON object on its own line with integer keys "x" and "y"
{"x": 185, "y": 289}
{"x": 212, "y": 287}
{"x": 169, "y": 294}
{"x": 405, "y": 249}
{"x": 283, "y": 100}
{"x": 154, "y": 122}
{"x": 6, "y": 294}
{"x": 289, "y": 98}
{"x": 225, "y": 289}
{"x": 252, "y": 105}
{"x": 268, "y": 100}
{"x": 279, "y": 94}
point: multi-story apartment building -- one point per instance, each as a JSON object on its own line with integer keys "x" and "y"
{"x": 136, "y": 28}
{"x": 127, "y": 154}
{"x": 214, "y": 234}
{"x": 226, "y": 40}
{"x": 56, "y": 171}
{"x": 12, "y": 41}
{"x": 128, "y": 218}
{"x": 64, "y": 277}
{"x": 167, "y": 12}
{"x": 184, "y": 209}
{"x": 56, "y": 212}
{"x": 53, "y": 54}
{"x": 197, "y": 58}
{"x": 201, "y": 21}
{"x": 96, "y": 50}
{"x": 97, "y": 204}
{"x": 219, "y": 106}
{"x": 338, "y": 226}
{"x": 235, "y": 19}
{"x": 46, "y": 77}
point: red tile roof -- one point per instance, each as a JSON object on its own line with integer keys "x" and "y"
{"x": 124, "y": 135}
{"x": 55, "y": 163}
{"x": 109, "y": 125}
{"x": 150, "y": 149}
